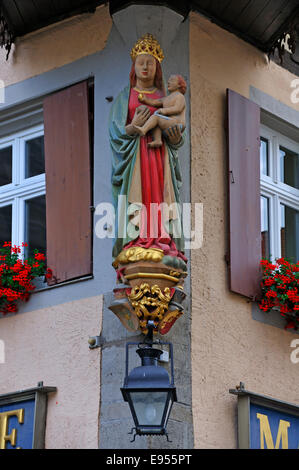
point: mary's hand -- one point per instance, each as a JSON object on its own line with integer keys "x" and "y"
{"x": 141, "y": 115}
{"x": 173, "y": 134}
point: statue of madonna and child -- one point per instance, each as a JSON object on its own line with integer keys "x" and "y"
{"x": 146, "y": 129}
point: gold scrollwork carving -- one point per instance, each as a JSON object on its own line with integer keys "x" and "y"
{"x": 149, "y": 303}
{"x": 152, "y": 276}
{"x": 136, "y": 253}
{"x": 175, "y": 273}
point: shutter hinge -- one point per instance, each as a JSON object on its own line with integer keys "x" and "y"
{"x": 226, "y": 258}
{"x": 92, "y": 208}
{"x": 232, "y": 179}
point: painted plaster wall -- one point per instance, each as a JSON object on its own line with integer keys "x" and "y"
{"x": 228, "y": 346}
{"x": 51, "y": 345}
{"x": 56, "y": 45}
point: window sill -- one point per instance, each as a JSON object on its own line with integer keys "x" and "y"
{"x": 41, "y": 286}
{"x": 272, "y": 318}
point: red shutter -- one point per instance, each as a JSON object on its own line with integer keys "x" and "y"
{"x": 68, "y": 183}
{"x": 244, "y": 195}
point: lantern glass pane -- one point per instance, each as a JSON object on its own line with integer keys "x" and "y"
{"x": 169, "y": 406}
{"x": 149, "y": 407}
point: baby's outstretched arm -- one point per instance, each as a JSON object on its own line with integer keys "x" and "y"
{"x": 158, "y": 103}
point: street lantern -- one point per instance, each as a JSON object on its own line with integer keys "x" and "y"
{"x": 149, "y": 391}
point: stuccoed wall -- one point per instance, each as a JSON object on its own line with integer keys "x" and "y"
{"x": 228, "y": 344}
{"x": 51, "y": 345}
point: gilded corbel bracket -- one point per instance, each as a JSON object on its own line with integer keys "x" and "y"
{"x": 148, "y": 289}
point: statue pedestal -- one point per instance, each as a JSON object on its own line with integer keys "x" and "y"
{"x": 148, "y": 289}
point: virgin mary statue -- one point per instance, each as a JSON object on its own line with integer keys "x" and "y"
{"x": 145, "y": 179}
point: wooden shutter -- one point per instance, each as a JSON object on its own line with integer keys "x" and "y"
{"x": 244, "y": 195}
{"x": 68, "y": 183}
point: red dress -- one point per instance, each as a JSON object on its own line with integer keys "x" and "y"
{"x": 152, "y": 231}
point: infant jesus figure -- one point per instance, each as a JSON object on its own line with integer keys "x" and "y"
{"x": 172, "y": 110}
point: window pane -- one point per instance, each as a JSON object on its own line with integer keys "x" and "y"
{"x": 5, "y": 166}
{"x": 264, "y": 156}
{"x": 35, "y": 223}
{"x": 289, "y": 167}
{"x": 265, "y": 227}
{"x": 34, "y": 157}
{"x": 5, "y": 224}
{"x": 289, "y": 233}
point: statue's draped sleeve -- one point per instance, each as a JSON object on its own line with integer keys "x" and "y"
{"x": 124, "y": 151}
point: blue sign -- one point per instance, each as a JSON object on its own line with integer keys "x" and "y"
{"x": 272, "y": 429}
{"x": 17, "y": 425}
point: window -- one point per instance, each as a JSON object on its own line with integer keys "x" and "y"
{"x": 22, "y": 189}
{"x": 263, "y": 188}
{"x": 279, "y": 168}
{"x": 46, "y": 174}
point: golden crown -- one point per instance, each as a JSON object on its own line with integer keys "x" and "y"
{"x": 147, "y": 45}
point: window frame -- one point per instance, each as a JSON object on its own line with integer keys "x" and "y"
{"x": 275, "y": 190}
{"x": 21, "y": 189}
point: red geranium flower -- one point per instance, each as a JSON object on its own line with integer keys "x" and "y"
{"x": 17, "y": 276}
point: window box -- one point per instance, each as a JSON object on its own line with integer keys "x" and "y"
{"x": 280, "y": 290}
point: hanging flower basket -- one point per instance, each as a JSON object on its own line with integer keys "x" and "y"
{"x": 17, "y": 275}
{"x": 280, "y": 290}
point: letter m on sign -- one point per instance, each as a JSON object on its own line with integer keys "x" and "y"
{"x": 266, "y": 435}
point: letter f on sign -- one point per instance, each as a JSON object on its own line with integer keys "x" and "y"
{"x": 4, "y": 420}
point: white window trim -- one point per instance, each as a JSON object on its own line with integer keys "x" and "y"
{"x": 276, "y": 191}
{"x": 21, "y": 189}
